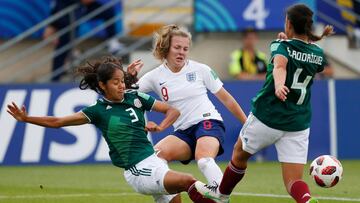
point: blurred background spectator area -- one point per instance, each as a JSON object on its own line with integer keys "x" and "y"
{"x": 19, "y": 16}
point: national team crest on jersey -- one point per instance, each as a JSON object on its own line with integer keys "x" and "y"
{"x": 191, "y": 77}
{"x": 137, "y": 103}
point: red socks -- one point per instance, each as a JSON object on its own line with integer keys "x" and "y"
{"x": 232, "y": 176}
{"x": 300, "y": 191}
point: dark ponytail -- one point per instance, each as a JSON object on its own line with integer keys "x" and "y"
{"x": 328, "y": 30}
{"x": 90, "y": 79}
{"x": 101, "y": 70}
{"x": 300, "y": 17}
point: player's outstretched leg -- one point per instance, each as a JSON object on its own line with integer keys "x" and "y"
{"x": 195, "y": 196}
{"x": 211, "y": 192}
{"x": 207, "y": 148}
{"x": 233, "y": 174}
{"x": 221, "y": 194}
{"x": 296, "y": 187}
{"x": 176, "y": 182}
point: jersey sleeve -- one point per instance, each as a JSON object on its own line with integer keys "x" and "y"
{"x": 146, "y": 83}
{"x": 278, "y": 47}
{"x": 90, "y": 113}
{"x": 323, "y": 64}
{"x": 146, "y": 100}
{"x": 211, "y": 79}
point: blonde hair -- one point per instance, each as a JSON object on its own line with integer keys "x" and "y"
{"x": 162, "y": 39}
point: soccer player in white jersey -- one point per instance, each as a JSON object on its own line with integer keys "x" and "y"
{"x": 183, "y": 83}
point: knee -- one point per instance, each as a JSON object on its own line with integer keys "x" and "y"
{"x": 163, "y": 153}
{"x": 208, "y": 147}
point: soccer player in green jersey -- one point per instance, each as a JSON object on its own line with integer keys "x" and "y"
{"x": 281, "y": 111}
{"x": 119, "y": 114}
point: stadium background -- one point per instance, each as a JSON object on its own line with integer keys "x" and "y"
{"x": 216, "y": 27}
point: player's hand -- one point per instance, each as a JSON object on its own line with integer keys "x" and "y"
{"x": 135, "y": 67}
{"x": 281, "y": 92}
{"x": 18, "y": 114}
{"x": 282, "y": 35}
{"x": 153, "y": 127}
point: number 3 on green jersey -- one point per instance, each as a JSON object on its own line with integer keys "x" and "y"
{"x": 133, "y": 114}
{"x": 300, "y": 85}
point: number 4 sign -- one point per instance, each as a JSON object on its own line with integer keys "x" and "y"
{"x": 256, "y": 12}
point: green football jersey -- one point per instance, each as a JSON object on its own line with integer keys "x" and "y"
{"x": 304, "y": 61}
{"x": 123, "y": 126}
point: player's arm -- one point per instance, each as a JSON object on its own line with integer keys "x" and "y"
{"x": 279, "y": 74}
{"x": 46, "y": 121}
{"x": 231, "y": 104}
{"x": 171, "y": 114}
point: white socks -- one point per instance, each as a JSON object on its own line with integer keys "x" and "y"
{"x": 210, "y": 170}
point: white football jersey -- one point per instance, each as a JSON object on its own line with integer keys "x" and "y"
{"x": 185, "y": 90}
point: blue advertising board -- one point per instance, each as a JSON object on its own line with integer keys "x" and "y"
{"x": 20, "y": 15}
{"x": 24, "y": 144}
{"x": 329, "y": 13}
{"x": 348, "y": 118}
{"x": 235, "y": 15}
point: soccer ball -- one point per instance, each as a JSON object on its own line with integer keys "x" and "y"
{"x": 326, "y": 171}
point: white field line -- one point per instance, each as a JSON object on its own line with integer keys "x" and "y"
{"x": 133, "y": 193}
{"x": 287, "y": 196}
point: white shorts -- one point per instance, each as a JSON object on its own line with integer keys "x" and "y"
{"x": 291, "y": 147}
{"x": 147, "y": 177}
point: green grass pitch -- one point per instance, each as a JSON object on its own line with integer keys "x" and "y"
{"x": 105, "y": 183}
